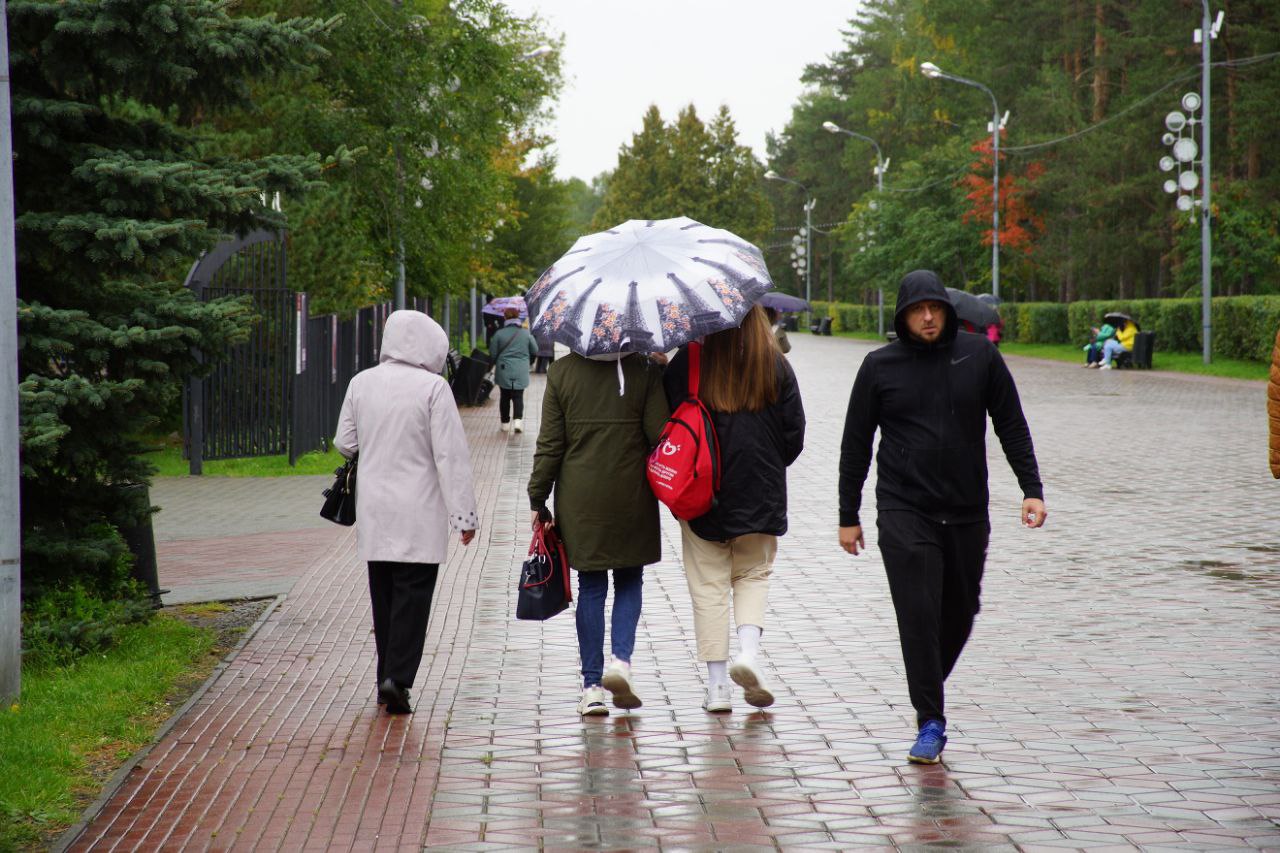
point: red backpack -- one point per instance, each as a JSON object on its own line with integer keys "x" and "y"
{"x": 684, "y": 468}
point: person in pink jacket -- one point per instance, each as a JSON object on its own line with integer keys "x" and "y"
{"x": 414, "y": 483}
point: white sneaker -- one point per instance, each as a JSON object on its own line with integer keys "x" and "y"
{"x": 506, "y": 426}
{"x": 1105, "y": 367}
{"x": 747, "y": 675}
{"x": 517, "y": 425}
{"x": 617, "y": 680}
{"x": 592, "y": 703}
{"x": 719, "y": 699}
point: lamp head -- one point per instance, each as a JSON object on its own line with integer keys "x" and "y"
{"x": 930, "y": 70}
{"x": 772, "y": 175}
{"x": 831, "y": 127}
{"x": 540, "y": 50}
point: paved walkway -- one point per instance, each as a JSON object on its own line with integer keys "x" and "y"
{"x": 1120, "y": 689}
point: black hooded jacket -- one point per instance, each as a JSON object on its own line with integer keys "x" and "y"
{"x": 930, "y": 403}
{"x": 755, "y": 450}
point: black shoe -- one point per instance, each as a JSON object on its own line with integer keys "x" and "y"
{"x": 395, "y": 697}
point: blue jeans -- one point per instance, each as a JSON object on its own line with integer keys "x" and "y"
{"x": 1110, "y": 349}
{"x": 627, "y": 597}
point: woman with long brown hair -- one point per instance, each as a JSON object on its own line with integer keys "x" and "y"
{"x": 754, "y": 401}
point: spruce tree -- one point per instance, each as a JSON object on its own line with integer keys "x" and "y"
{"x": 117, "y": 194}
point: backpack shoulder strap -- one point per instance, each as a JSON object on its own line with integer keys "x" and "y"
{"x": 695, "y": 367}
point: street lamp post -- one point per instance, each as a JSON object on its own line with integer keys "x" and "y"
{"x": 1207, "y": 33}
{"x": 808, "y": 230}
{"x": 881, "y": 165}
{"x": 932, "y": 71}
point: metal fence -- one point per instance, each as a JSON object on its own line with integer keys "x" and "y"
{"x": 280, "y": 392}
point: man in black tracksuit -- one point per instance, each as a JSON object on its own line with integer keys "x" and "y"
{"x": 929, "y": 393}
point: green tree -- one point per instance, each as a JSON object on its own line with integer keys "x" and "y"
{"x": 584, "y": 201}
{"x": 535, "y": 229}
{"x": 688, "y": 169}
{"x": 1097, "y": 75}
{"x": 430, "y": 93}
{"x": 117, "y": 192}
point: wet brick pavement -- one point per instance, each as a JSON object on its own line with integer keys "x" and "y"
{"x": 1120, "y": 689}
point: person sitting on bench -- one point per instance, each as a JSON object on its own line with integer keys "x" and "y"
{"x": 1122, "y": 342}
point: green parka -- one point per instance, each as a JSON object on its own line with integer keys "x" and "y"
{"x": 592, "y": 449}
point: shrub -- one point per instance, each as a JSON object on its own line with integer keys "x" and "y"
{"x": 1243, "y": 326}
{"x": 1036, "y": 322}
{"x": 69, "y": 621}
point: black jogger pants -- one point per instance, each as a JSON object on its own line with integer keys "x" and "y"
{"x": 401, "y": 597}
{"x": 935, "y": 578}
{"x": 509, "y": 398}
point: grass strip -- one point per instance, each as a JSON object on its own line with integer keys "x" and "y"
{"x": 74, "y": 725}
{"x": 170, "y": 463}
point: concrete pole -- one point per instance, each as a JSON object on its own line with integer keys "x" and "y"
{"x": 1206, "y": 212}
{"x": 10, "y": 519}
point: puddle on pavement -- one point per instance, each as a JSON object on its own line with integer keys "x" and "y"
{"x": 1220, "y": 569}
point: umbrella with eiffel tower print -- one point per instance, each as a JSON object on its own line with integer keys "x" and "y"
{"x": 647, "y": 285}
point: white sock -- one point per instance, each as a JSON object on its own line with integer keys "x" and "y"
{"x": 717, "y": 672}
{"x": 749, "y": 640}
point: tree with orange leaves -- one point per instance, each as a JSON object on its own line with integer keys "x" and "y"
{"x": 1019, "y": 224}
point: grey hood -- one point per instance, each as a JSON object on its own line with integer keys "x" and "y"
{"x": 413, "y": 338}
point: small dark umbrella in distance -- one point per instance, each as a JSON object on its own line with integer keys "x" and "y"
{"x": 783, "y": 302}
{"x": 973, "y": 310}
{"x": 1115, "y": 318}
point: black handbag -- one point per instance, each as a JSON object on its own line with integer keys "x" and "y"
{"x": 340, "y": 498}
{"x": 544, "y": 588}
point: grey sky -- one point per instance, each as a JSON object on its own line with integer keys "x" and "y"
{"x": 621, "y": 57}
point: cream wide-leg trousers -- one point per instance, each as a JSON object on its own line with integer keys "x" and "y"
{"x": 740, "y": 566}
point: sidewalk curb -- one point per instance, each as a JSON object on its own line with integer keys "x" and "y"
{"x": 66, "y": 839}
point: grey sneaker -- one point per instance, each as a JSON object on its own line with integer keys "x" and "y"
{"x": 719, "y": 699}
{"x": 592, "y": 703}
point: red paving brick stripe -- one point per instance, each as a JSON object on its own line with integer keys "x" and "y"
{"x": 1118, "y": 691}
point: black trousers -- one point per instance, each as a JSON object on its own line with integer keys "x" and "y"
{"x": 935, "y": 578}
{"x": 401, "y": 597}
{"x": 509, "y": 398}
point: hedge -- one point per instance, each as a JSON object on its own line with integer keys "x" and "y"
{"x": 1243, "y": 326}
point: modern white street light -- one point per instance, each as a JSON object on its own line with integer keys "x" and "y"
{"x": 771, "y": 175}
{"x": 881, "y": 163}
{"x": 881, "y": 166}
{"x": 933, "y": 72}
{"x": 540, "y": 50}
{"x": 1184, "y": 155}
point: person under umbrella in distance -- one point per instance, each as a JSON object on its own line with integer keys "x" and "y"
{"x": 1126, "y": 332}
{"x": 929, "y": 393}
{"x": 513, "y": 349}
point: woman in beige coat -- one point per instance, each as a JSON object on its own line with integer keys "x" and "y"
{"x": 414, "y": 483}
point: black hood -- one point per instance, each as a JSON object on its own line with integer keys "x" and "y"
{"x": 921, "y": 286}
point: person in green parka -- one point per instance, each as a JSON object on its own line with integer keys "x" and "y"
{"x": 600, "y": 419}
{"x": 513, "y": 349}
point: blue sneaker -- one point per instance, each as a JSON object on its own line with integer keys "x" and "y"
{"x": 929, "y": 744}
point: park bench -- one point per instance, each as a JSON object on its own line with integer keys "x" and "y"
{"x": 821, "y": 327}
{"x": 1144, "y": 345}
